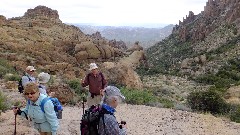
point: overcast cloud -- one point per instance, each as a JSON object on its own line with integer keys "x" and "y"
{"x": 109, "y": 12}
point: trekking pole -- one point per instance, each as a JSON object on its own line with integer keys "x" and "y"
{"x": 15, "y": 128}
{"x": 83, "y": 105}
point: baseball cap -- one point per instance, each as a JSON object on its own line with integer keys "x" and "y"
{"x": 30, "y": 68}
{"x": 113, "y": 91}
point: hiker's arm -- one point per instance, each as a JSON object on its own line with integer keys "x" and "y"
{"x": 51, "y": 116}
{"x": 113, "y": 126}
{"x": 21, "y": 112}
{"x": 85, "y": 82}
{"x": 104, "y": 82}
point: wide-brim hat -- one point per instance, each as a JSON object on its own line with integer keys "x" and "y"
{"x": 93, "y": 66}
{"x": 43, "y": 77}
{"x": 113, "y": 91}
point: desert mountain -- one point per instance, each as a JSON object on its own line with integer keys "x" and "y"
{"x": 146, "y": 36}
{"x": 39, "y": 38}
{"x": 201, "y": 43}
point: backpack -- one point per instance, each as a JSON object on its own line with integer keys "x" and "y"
{"x": 20, "y": 86}
{"x": 57, "y": 106}
{"x": 90, "y": 120}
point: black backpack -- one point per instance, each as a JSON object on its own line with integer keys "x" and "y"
{"x": 90, "y": 120}
{"x": 20, "y": 86}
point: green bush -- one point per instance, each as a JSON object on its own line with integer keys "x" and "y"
{"x": 207, "y": 101}
{"x": 145, "y": 97}
{"x": 5, "y": 68}
{"x": 3, "y": 102}
{"x": 13, "y": 77}
{"x": 76, "y": 86}
{"x": 235, "y": 113}
{"x": 140, "y": 97}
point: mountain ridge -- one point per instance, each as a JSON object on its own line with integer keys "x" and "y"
{"x": 146, "y": 36}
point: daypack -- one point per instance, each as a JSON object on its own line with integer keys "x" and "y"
{"x": 57, "y": 106}
{"x": 90, "y": 120}
{"x": 20, "y": 86}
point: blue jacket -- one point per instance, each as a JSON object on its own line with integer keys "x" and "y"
{"x": 43, "y": 122}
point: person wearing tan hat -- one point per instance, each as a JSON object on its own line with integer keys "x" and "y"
{"x": 96, "y": 82}
{"x": 108, "y": 125}
{"x": 28, "y": 77}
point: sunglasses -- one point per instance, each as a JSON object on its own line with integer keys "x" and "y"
{"x": 32, "y": 93}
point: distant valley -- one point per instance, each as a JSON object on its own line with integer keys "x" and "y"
{"x": 146, "y": 36}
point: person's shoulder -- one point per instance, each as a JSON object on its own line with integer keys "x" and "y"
{"x": 24, "y": 77}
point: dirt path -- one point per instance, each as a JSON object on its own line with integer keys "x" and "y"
{"x": 141, "y": 120}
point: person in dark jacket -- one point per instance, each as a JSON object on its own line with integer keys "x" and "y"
{"x": 96, "y": 82}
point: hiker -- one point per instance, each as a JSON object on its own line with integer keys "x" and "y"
{"x": 45, "y": 122}
{"x": 96, "y": 82}
{"x": 28, "y": 77}
{"x": 109, "y": 125}
{"x": 42, "y": 79}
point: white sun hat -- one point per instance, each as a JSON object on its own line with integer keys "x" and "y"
{"x": 93, "y": 66}
{"x": 43, "y": 77}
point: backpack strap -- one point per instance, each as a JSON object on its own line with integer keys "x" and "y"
{"x": 39, "y": 86}
{"x": 29, "y": 79}
{"x": 43, "y": 102}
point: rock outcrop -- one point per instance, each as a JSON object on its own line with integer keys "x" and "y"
{"x": 216, "y": 12}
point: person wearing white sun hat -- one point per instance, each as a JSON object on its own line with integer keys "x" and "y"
{"x": 96, "y": 82}
{"x": 43, "y": 78}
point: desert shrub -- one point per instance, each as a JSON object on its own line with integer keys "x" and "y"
{"x": 145, "y": 97}
{"x": 140, "y": 97}
{"x": 207, "y": 101}
{"x": 13, "y": 77}
{"x": 76, "y": 86}
{"x": 5, "y": 68}
{"x": 3, "y": 102}
{"x": 235, "y": 113}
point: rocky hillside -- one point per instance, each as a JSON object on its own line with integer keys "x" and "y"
{"x": 146, "y": 36}
{"x": 202, "y": 43}
{"x": 39, "y": 38}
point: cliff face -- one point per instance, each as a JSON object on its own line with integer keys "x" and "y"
{"x": 201, "y": 43}
{"x": 216, "y": 12}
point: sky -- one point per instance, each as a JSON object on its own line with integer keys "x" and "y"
{"x": 110, "y": 12}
